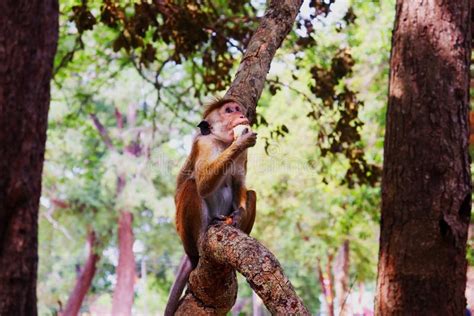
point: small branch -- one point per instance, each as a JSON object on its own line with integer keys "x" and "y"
{"x": 159, "y": 87}
{"x": 57, "y": 226}
{"x": 67, "y": 58}
{"x": 313, "y": 103}
{"x": 102, "y": 131}
{"x": 118, "y": 118}
{"x": 347, "y": 296}
{"x": 48, "y": 215}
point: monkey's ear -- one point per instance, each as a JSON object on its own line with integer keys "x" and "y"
{"x": 205, "y": 127}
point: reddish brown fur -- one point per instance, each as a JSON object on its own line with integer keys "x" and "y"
{"x": 187, "y": 200}
{"x": 188, "y": 168}
{"x": 216, "y": 104}
{"x": 202, "y": 194}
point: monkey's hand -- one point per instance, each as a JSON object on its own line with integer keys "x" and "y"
{"x": 246, "y": 140}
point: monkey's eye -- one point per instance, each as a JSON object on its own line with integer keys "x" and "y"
{"x": 228, "y": 110}
{"x": 237, "y": 109}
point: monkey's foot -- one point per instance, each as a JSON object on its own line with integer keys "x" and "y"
{"x": 222, "y": 218}
{"x": 236, "y": 216}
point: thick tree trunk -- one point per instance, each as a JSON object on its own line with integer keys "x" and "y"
{"x": 426, "y": 187}
{"x": 28, "y": 40}
{"x": 84, "y": 279}
{"x": 124, "y": 290}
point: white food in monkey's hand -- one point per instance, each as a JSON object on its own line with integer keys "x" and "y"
{"x": 240, "y": 130}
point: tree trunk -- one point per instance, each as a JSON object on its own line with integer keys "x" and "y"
{"x": 28, "y": 40}
{"x": 326, "y": 283}
{"x": 426, "y": 186}
{"x": 84, "y": 279}
{"x": 341, "y": 278}
{"x": 122, "y": 301}
{"x": 123, "y": 295}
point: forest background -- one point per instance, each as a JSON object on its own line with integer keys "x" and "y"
{"x": 124, "y": 106}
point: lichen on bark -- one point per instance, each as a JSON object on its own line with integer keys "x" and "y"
{"x": 212, "y": 287}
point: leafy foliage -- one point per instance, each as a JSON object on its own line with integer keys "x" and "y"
{"x": 216, "y": 32}
{"x": 345, "y": 135}
{"x": 141, "y": 69}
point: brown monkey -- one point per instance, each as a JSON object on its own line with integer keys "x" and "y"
{"x": 211, "y": 184}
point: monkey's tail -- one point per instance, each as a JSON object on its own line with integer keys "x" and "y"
{"x": 182, "y": 276}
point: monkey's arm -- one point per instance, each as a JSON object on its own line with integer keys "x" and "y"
{"x": 211, "y": 170}
{"x": 188, "y": 167}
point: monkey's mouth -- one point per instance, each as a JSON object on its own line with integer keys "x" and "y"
{"x": 240, "y": 121}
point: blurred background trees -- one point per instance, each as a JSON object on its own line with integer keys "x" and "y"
{"x": 130, "y": 80}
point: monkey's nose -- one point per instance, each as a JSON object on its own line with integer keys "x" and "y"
{"x": 242, "y": 116}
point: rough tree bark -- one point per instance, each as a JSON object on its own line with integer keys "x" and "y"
{"x": 426, "y": 186}
{"x": 212, "y": 286}
{"x": 250, "y": 78}
{"x": 28, "y": 40}
{"x": 84, "y": 279}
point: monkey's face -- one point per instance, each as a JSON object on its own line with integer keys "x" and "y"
{"x": 224, "y": 119}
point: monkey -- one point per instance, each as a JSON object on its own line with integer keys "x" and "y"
{"x": 211, "y": 184}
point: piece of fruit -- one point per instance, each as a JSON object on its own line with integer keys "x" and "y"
{"x": 241, "y": 130}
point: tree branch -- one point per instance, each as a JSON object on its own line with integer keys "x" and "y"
{"x": 102, "y": 131}
{"x": 84, "y": 279}
{"x": 250, "y": 78}
{"x": 212, "y": 287}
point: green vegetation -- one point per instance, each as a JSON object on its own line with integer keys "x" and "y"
{"x": 316, "y": 166}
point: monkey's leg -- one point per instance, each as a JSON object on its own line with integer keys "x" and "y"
{"x": 244, "y": 215}
{"x": 248, "y": 218}
{"x": 190, "y": 218}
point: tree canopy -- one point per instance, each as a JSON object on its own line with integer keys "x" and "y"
{"x": 130, "y": 82}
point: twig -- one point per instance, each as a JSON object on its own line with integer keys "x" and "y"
{"x": 347, "y": 295}
{"x": 102, "y": 131}
{"x": 56, "y": 225}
